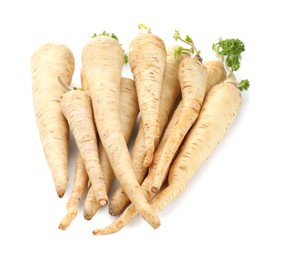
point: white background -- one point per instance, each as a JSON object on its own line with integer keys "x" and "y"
{"x": 232, "y": 207}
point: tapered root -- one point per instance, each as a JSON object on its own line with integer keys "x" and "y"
{"x": 169, "y": 93}
{"x": 119, "y": 223}
{"x": 118, "y": 202}
{"x": 103, "y": 60}
{"x": 90, "y": 211}
{"x": 61, "y": 188}
{"x": 48, "y": 63}
{"x": 70, "y": 216}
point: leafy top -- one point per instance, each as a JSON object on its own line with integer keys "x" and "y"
{"x": 187, "y": 40}
{"x": 125, "y": 58}
{"x": 244, "y": 84}
{"x": 229, "y": 52}
{"x": 144, "y": 29}
{"x": 112, "y": 35}
{"x": 104, "y": 33}
{"x": 141, "y": 25}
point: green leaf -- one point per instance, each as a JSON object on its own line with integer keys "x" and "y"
{"x": 141, "y": 25}
{"x": 177, "y": 52}
{"x": 233, "y": 62}
{"x": 244, "y": 84}
{"x": 125, "y": 58}
{"x": 230, "y": 50}
{"x": 176, "y": 35}
{"x": 188, "y": 39}
{"x": 114, "y": 36}
{"x": 104, "y": 33}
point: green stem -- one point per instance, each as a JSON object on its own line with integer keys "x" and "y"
{"x": 194, "y": 49}
{"x": 143, "y": 29}
{"x": 229, "y": 52}
{"x": 188, "y": 40}
{"x": 231, "y": 79}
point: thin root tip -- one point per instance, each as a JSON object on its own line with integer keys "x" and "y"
{"x": 103, "y": 231}
{"x": 157, "y": 225}
{"x": 113, "y": 211}
{"x": 96, "y": 232}
{"x": 60, "y": 194}
{"x": 60, "y": 189}
{"x": 87, "y": 215}
{"x": 62, "y": 226}
{"x": 103, "y": 202}
{"x": 154, "y": 221}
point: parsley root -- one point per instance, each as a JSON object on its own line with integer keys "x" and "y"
{"x": 219, "y": 110}
{"x": 77, "y": 109}
{"x": 147, "y": 59}
{"x": 186, "y": 106}
{"x": 169, "y": 93}
{"x": 130, "y": 212}
{"x": 128, "y": 113}
{"x": 48, "y": 63}
{"x": 79, "y": 185}
{"x": 193, "y": 82}
{"x": 102, "y": 59}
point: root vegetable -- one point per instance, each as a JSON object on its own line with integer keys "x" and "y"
{"x": 216, "y": 73}
{"x": 80, "y": 184}
{"x": 218, "y": 112}
{"x": 147, "y": 59}
{"x": 77, "y": 109}
{"x": 169, "y": 93}
{"x": 130, "y": 212}
{"x": 128, "y": 113}
{"x": 193, "y": 82}
{"x": 220, "y": 108}
{"x": 102, "y": 59}
{"x": 84, "y": 83}
{"x": 47, "y": 63}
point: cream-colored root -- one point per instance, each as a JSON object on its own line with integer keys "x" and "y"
{"x": 169, "y": 93}
{"x": 216, "y": 73}
{"x": 220, "y": 108}
{"x": 80, "y": 184}
{"x": 130, "y": 212}
{"x": 103, "y": 59}
{"x": 147, "y": 60}
{"x": 193, "y": 81}
{"x": 128, "y": 113}
{"x": 77, "y": 108}
{"x": 49, "y": 62}
{"x": 212, "y": 125}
